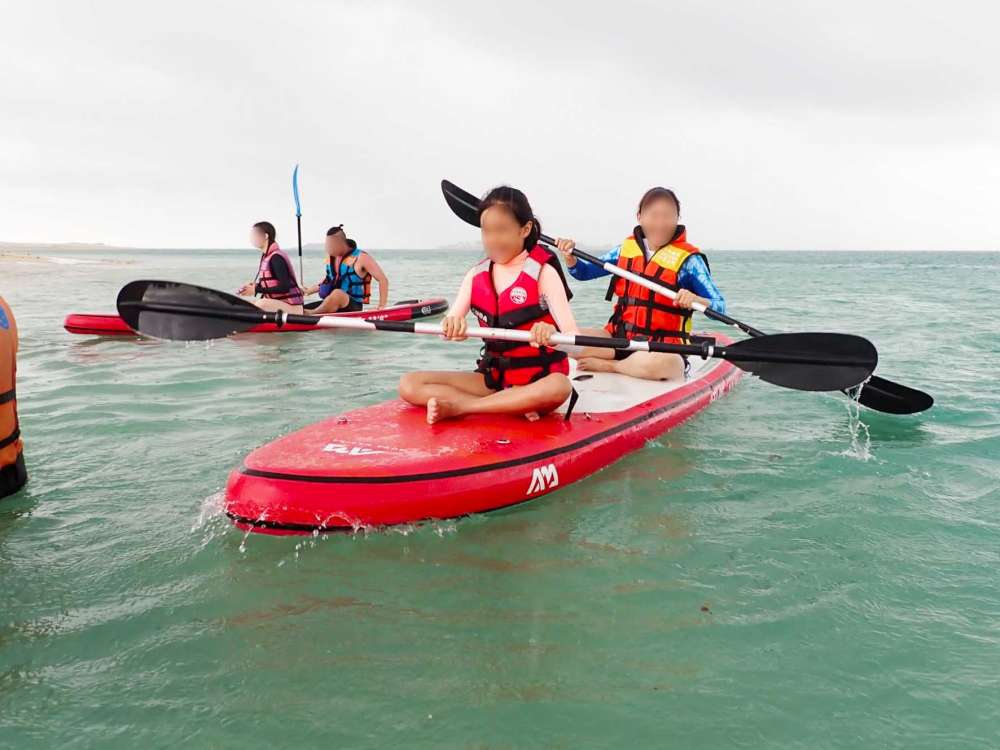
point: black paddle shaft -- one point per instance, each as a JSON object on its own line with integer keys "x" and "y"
{"x": 876, "y": 393}
{"x": 803, "y": 361}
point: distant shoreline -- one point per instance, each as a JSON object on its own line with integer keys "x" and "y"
{"x": 58, "y": 246}
{"x": 19, "y": 250}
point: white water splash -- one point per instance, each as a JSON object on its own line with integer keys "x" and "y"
{"x": 211, "y": 520}
{"x": 861, "y": 439}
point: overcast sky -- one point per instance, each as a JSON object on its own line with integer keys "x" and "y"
{"x": 798, "y": 124}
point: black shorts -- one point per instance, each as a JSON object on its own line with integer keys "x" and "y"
{"x": 13, "y": 477}
{"x": 353, "y": 306}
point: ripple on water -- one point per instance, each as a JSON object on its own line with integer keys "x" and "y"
{"x": 832, "y": 574}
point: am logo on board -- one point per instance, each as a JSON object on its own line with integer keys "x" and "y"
{"x": 543, "y": 478}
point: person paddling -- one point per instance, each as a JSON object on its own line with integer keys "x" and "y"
{"x": 275, "y": 281}
{"x": 659, "y": 251}
{"x": 518, "y": 285}
{"x": 349, "y": 273}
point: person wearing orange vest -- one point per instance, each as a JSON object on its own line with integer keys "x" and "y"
{"x": 519, "y": 285}
{"x": 659, "y": 251}
{"x": 13, "y": 474}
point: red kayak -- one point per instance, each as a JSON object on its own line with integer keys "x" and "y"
{"x": 383, "y": 464}
{"x": 112, "y": 325}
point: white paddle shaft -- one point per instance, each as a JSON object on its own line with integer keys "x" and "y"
{"x": 496, "y": 334}
{"x": 644, "y": 282}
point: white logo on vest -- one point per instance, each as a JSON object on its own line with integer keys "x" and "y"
{"x": 518, "y": 296}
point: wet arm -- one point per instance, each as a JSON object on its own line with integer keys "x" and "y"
{"x": 372, "y": 267}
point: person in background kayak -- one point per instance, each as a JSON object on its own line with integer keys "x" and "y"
{"x": 275, "y": 281}
{"x": 519, "y": 285}
{"x": 658, "y": 250}
{"x": 13, "y": 474}
{"x": 349, "y": 273}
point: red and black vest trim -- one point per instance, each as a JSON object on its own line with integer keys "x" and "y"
{"x": 518, "y": 307}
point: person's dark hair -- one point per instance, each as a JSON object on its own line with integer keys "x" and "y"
{"x": 656, "y": 194}
{"x": 352, "y": 244}
{"x": 267, "y": 228}
{"x": 517, "y": 204}
{"x": 335, "y": 230}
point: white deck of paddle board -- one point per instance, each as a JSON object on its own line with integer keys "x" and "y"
{"x": 610, "y": 392}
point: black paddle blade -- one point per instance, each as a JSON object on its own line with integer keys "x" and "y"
{"x": 892, "y": 398}
{"x": 806, "y": 361}
{"x": 465, "y": 205}
{"x": 184, "y": 312}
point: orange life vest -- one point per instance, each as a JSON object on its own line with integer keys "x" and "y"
{"x": 12, "y": 472}
{"x": 519, "y": 306}
{"x": 640, "y": 313}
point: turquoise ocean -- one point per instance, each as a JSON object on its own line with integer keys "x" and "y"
{"x": 782, "y": 571}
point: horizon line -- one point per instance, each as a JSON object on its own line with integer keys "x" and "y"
{"x": 457, "y": 247}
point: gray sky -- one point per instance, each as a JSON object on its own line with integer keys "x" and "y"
{"x": 797, "y": 124}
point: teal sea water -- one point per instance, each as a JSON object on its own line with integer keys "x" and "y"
{"x": 780, "y": 572}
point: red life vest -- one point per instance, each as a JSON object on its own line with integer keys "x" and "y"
{"x": 519, "y": 306}
{"x": 266, "y": 280}
{"x": 640, "y": 313}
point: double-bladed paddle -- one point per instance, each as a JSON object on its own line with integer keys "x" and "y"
{"x": 803, "y": 361}
{"x": 876, "y": 393}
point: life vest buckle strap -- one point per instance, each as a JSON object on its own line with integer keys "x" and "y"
{"x": 650, "y": 302}
{"x": 520, "y": 317}
{"x": 542, "y": 359}
{"x": 11, "y": 438}
{"x": 654, "y": 333}
{"x": 574, "y": 396}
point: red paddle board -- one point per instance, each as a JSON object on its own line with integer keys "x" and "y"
{"x": 383, "y": 464}
{"x": 112, "y": 325}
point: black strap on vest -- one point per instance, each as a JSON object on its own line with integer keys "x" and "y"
{"x": 544, "y": 358}
{"x": 11, "y": 438}
{"x": 624, "y": 329}
{"x": 554, "y": 262}
{"x": 514, "y": 319}
{"x": 573, "y": 398}
{"x": 7, "y": 397}
{"x": 657, "y": 306}
{"x": 493, "y": 359}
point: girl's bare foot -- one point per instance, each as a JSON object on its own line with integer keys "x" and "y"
{"x": 596, "y": 364}
{"x": 439, "y": 409}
